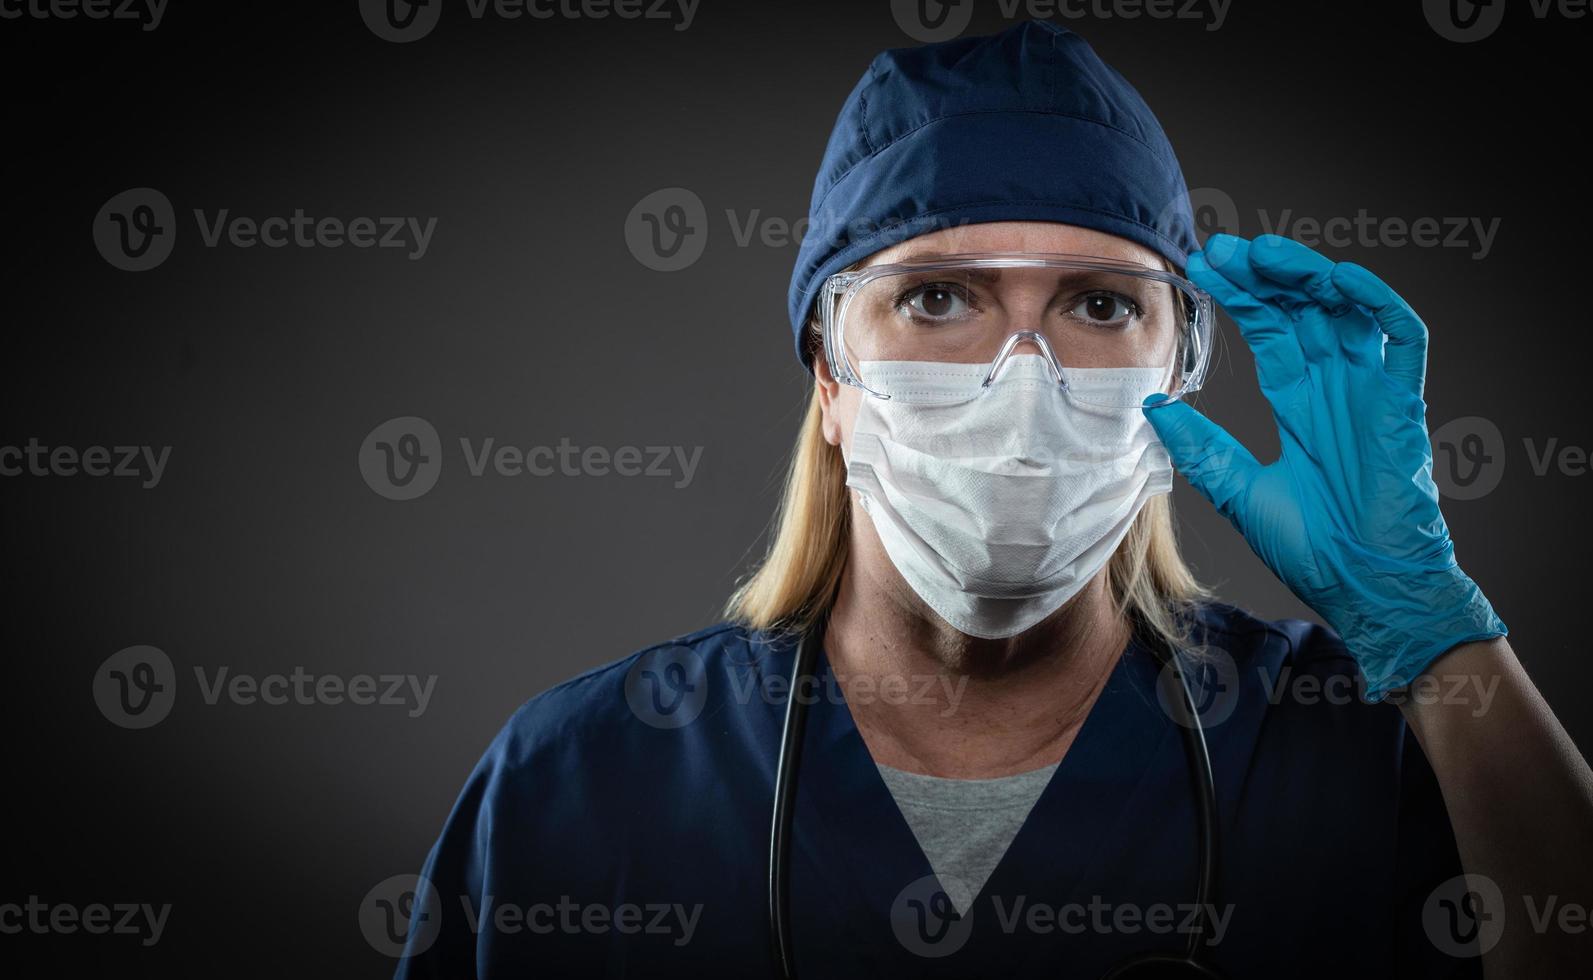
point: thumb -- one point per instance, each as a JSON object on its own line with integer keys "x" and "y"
{"x": 1211, "y": 460}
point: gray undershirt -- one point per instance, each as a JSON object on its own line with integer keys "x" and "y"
{"x": 964, "y": 826}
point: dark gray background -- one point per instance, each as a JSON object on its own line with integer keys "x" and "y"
{"x": 530, "y": 320}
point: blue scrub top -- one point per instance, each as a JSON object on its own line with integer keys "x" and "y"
{"x": 619, "y": 823}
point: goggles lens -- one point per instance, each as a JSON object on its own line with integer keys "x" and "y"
{"x": 883, "y": 319}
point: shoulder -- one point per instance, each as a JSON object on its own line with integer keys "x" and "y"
{"x": 1290, "y": 687}
{"x": 631, "y": 702}
{"x": 1288, "y": 681}
{"x": 1268, "y": 647}
{"x": 583, "y": 771}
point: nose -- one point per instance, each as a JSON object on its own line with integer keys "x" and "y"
{"x": 1011, "y": 344}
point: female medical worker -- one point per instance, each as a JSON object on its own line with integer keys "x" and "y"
{"x": 1023, "y": 741}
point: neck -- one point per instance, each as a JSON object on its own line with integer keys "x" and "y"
{"x": 930, "y": 699}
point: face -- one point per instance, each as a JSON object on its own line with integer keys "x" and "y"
{"x": 840, "y": 401}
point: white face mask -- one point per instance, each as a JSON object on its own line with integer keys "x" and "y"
{"x": 999, "y": 509}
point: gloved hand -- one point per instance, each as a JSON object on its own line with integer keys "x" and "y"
{"x": 1347, "y": 516}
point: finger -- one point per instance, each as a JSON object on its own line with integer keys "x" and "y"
{"x": 1211, "y": 460}
{"x": 1266, "y": 328}
{"x": 1338, "y": 329}
{"x": 1297, "y": 267}
{"x": 1405, "y": 354}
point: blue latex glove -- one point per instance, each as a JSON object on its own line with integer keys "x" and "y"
{"x": 1347, "y": 516}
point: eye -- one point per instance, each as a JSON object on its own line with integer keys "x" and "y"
{"x": 1106, "y": 309}
{"x": 935, "y": 301}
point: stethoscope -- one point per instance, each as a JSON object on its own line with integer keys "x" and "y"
{"x": 1146, "y": 966}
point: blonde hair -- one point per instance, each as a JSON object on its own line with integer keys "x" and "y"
{"x": 796, "y": 582}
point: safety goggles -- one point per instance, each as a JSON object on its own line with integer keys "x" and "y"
{"x": 887, "y": 328}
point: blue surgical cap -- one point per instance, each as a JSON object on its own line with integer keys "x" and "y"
{"x": 1025, "y": 125}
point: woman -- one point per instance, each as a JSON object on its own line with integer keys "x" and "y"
{"x": 1023, "y": 740}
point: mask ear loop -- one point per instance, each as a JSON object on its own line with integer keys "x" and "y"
{"x": 1006, "y": 352}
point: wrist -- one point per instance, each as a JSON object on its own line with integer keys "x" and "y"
{"x": 1395, "y": 640}
{"x": 1460, "y": 685}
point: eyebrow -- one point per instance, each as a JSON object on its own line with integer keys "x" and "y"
{"x": 983, "y": 276}
{"x": 920, "y": 256}
{"x": 993, "y": 277}
{"x": 932, "y": 255}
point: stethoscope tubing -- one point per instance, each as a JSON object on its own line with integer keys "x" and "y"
{"x": 794, "y": 729}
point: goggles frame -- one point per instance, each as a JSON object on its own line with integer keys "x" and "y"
{"x": 841, "y": 288}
